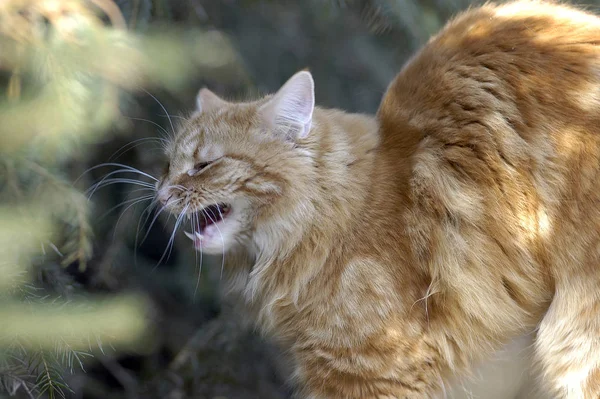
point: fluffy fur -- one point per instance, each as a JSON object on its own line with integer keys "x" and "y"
{"x": 389, "y": 254}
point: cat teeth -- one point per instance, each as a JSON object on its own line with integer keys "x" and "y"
{"x": 193, "y": 236}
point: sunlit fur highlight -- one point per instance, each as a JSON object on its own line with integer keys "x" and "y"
{"x": 389, "y": 254}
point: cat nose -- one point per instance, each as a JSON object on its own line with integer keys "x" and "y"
{"x": 165, "y": 195}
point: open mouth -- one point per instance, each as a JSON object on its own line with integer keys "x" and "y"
{"x": 206, "y": 217}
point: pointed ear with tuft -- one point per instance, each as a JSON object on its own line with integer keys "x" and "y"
{"x": 289, "y": 112}
{"x": 207, "y": 101}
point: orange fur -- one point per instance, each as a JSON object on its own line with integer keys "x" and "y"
{"x": 389, "y": 254}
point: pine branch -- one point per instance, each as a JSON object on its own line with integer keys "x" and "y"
{"x": 74, "y": 211}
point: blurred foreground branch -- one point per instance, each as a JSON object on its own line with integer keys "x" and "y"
{"x": 69, "y": 67}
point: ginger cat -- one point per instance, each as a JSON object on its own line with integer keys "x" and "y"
{"x": 390, "y": 254}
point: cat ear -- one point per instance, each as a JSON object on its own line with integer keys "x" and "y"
{"x": 207, "y": 101}
{"x": 289, "y": 112}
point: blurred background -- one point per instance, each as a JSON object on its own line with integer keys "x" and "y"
{"x": 97, "y": 298}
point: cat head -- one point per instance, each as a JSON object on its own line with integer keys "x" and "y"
{"x": 231, "y": 163}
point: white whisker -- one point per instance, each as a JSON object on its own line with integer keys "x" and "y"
{"x": 125, "y": 210}
{"x": 196, "y": 222}
{"x": 115, "y": 164}
{"x": 109, "y": 182}
{"x": 172, "y": 239}
{"x": 156, "y": 217}
{"x": 164, "y": 109}
{"x": 147, "y": 210}
{"x": 145, "y": 198}
{"x": 135, "y": 143}
{"x": 173, "y": 116}
{"x": 177, "y": 186}
{"x": 222, "y": 240}
{"x": 116, "y": 172}
{"x": 154, "y": 123}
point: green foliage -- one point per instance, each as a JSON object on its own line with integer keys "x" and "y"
{"x": 69, "y": 69}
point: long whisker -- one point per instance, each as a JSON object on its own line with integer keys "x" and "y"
{"x": 177, "y": 224}
{"x": 169, "y": 248}
{"x": 152, "y": 122}
{"x": 195, "y": 222}
{"x": 155, "y": 218}
{"x": 115, "y": 164}
{"x": 135, "y": 143}
{"x": 125, "y": 179}
{"x": 114, "y": 173}
{"x": 120, "y": 180}
{"x": 172, "y": 116}
{"x": 117, "y": 181}
{"x": 125, "y": 210}
{"x": 148, "y": 211}
{"x": 147, "y": 197}
{"x": 164, "y": 109}
{"x": 122, "y": 171}
{"x": 222, "y": 240}
{"x": 222, "y": 243}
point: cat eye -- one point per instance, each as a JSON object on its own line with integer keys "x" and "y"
{"x": 198, "y": 168}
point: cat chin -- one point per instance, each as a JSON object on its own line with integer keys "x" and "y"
{"x": 210, "y": 249}
{"x": 211, "y": 246}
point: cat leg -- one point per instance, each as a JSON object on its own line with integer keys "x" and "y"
{"x": 568, "y": 341}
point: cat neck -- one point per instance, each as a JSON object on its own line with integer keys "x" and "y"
{"x": 323, "y": 204}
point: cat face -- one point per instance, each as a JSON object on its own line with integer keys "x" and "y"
{"x": 231, "y": 162}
